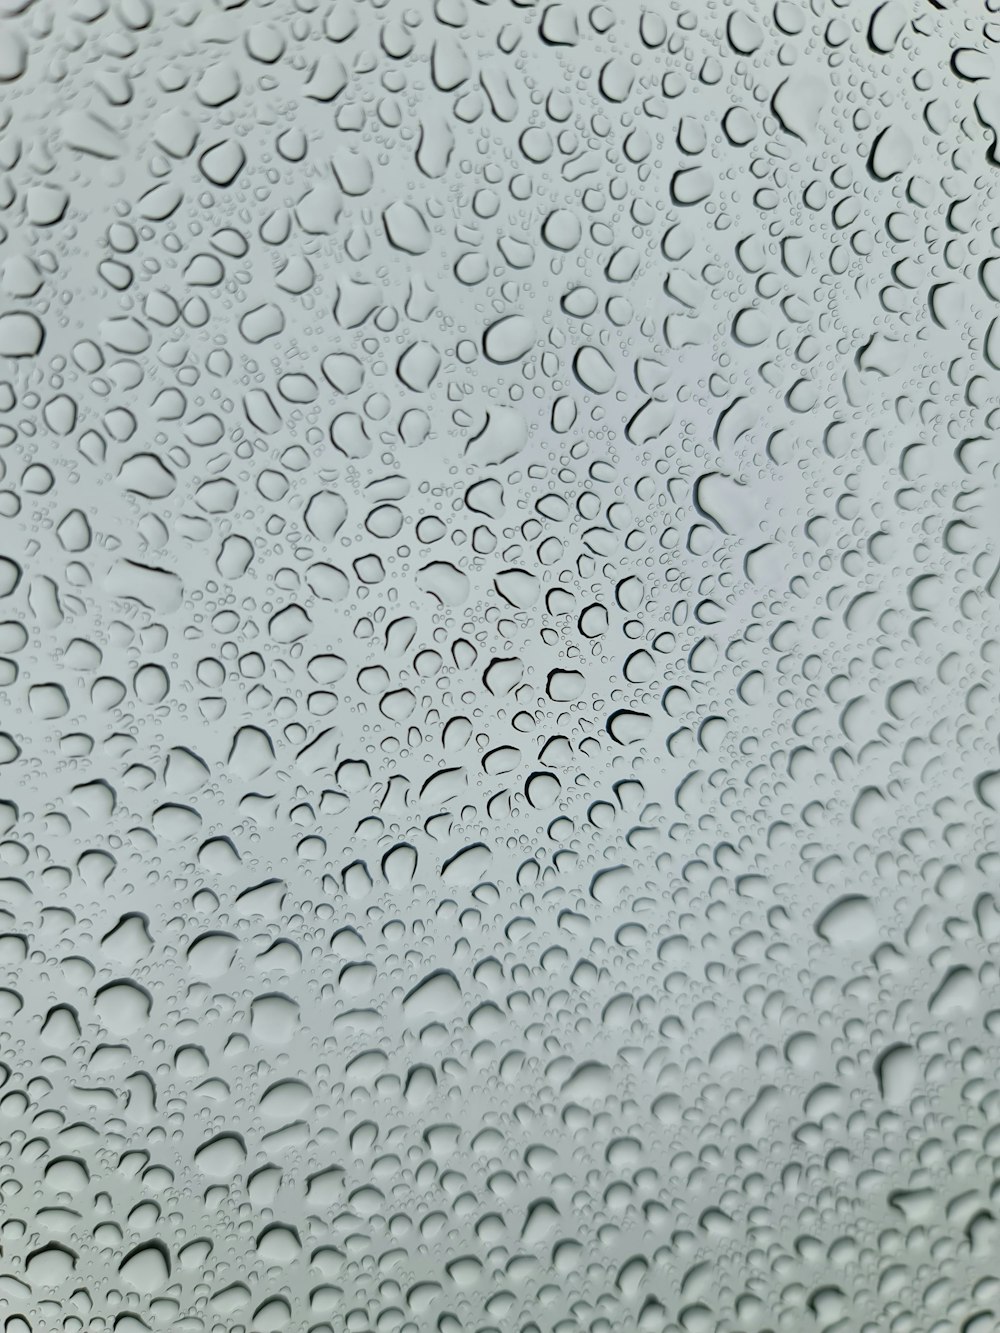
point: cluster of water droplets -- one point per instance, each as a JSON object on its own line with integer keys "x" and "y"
{"x": 499, "y": 645}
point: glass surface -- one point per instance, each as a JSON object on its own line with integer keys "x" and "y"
{"x": 499, "y": 643}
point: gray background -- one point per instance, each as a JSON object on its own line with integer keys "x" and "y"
{"x": 499, "y": 678}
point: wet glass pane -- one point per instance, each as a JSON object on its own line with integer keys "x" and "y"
{"x": 499, "y": 645}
